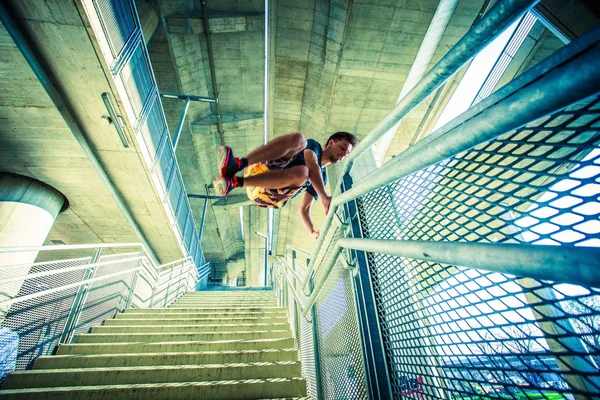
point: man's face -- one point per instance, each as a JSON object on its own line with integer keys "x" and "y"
{"x": 339, "y": 150}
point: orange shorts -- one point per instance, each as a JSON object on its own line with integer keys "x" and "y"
{"x": 269, "y": 198}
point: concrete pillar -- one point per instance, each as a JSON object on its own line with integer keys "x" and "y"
{"x": 148, "y": 19}
{"x": 28, "y": 209}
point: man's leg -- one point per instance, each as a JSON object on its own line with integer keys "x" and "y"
{"x": 285, "y": 147}
{"x": 277, "y": 179}
{"x": 282, "y": 147}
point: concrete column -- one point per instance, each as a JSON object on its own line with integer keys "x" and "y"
{"x": 28, "y": 209}
{"x": 148, "y": 19}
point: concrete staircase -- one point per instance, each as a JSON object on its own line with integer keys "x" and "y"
{"x": 206, "y": 345}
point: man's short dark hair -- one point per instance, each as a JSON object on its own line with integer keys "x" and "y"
{"x": 343, "y": 136}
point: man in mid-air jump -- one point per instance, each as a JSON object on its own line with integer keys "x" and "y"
{"x": 279, "y": 170}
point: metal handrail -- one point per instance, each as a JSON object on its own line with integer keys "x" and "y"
{"x": 298, "y": 250}
{"x": 478, "y": 37}
{"x": 64, "y": 287}
{"x": 58, "y": 247}
{"x": 538, "y": 85}
{"x": 68, "y": 269}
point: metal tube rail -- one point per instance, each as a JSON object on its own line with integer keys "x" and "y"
{"x": 48, "y": 82}
{"x": 288, "y": 266}
{"x": 291, "y": 286}
{"x": 58, "y": 289}
{"x": 319, "y": 285}
{"x": 59, "y": 247}
{"x": 478, "y": 37}
{"x": 533, "y": 261}
{"x": 298, "y": 250}
{"x": 573, "y": 73}
{"x": 168, "y": 95}
{"x": 68, "y": 269}
{"x": 211, "y": 64}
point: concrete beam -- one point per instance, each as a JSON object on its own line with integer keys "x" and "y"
{"x": 219, "y": 23}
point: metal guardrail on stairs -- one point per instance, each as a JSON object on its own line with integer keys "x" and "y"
{"x": 46, "y": 303}
{"x": 468, "y": 266}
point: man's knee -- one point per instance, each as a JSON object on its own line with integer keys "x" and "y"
{"x": 297, "y": 141}
{"x": 300, "y": 174}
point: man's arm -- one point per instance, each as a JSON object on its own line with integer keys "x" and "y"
{"x": 305, "y": 217}
{"x": 316, "y": 179}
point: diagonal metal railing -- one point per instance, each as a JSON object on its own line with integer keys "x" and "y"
{"x": 76, "y": 287}
{"x": 468, "y": 266}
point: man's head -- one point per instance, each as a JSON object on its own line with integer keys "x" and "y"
{"x": 339, "y": 145}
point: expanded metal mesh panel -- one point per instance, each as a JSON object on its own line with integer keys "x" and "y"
{"x": 307, "y": 352}
{"x": 118, "y": 21}
{"x": 39, "y": 322}
{"x": 107, "y": 296}
{"x": 137, "y": 79}
{"x": 154, "y": 128}
{"x": 461, "y": 333}
{"x": 342, "y": 369}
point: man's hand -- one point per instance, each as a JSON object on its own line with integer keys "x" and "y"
{"x": 326, "y": 200}
{"x": 314, "y": 234}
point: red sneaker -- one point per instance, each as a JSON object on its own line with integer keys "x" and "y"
{"x": 225, "y": 185}
{"x": 228, "y": 164}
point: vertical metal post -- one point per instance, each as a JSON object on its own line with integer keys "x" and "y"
{"x": 266, "y": 259}
{"x": 168, "y": 287}
{"x": 315, "y": 336}
{"x": 179, "y": 285}
{"x": 184, "y": 111}
{"x": 133, "y": 283}
{"x": 203, "y": 219}
{"x": 295, "y": 313}
{"x": 79, "y": 301}
{"x": 153, "y": 293}
{"x": 374, "y": 357}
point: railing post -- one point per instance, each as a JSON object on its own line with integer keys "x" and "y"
{"x": 154, "y": 286}
{"x": 315, "y": 336}
{"x": 374, "y": 357}
{"x": 168, "y": 287}
{"x": 79, "y": 301}
{"x": 296, "y": 321}
{"x": 133, "y": 283}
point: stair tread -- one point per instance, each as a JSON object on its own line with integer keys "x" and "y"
{"x": 151, "y": 385}
{"x": 171, "y": 353}
{"x": 156, "y": 367}
{"x": 181, "y": 342}
{"x": 179, "y": 333}
{"x": 190, "y": 326}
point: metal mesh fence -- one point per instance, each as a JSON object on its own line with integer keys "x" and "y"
{"x": 38, "y": 300}
{"x": 106, "y": 297}
{"x": 342, "y": 369}
{"x": 34, "y": 326}
{"x": 452, "y": 332}
{"x": 339, "y": 369}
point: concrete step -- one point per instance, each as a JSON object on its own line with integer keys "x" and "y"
{"x": 244, "y": 389}
{"x": 180, "y": 336}
{"x": 151, "y": 374}
{"x": 166, "y": 358}
{"x": 177, "y": 314}
{"x": 234, "y": 304}
{"x": 224, "y": 310}
{"x": 121, "y": 321}
{"x": 207, "y": 309}
{"x": 221, "y": 302}
{"x": 188, "y": 328}
{"x": 184, "y": 346}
